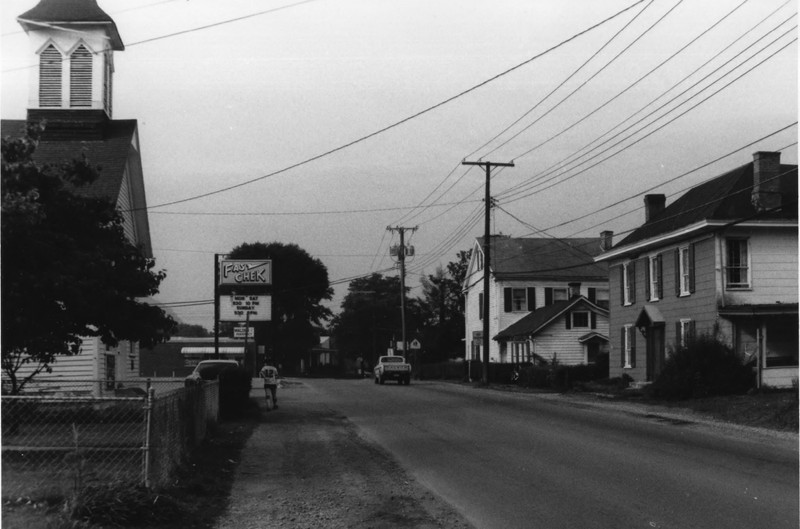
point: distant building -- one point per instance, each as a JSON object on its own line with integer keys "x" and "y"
{"x": 721, "y": 259}
{"x": 71, "y": 90}
{"x": 548, "y": 299}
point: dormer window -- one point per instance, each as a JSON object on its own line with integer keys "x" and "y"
{"x": 50, "y": 63}
{"x": 80, "y": 78}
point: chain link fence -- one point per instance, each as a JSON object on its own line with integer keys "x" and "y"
{"x": 58, "y": 438}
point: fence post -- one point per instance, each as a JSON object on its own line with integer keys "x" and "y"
{"x": 148, "y": 414}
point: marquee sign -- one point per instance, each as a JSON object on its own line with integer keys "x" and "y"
{"x": 245, "y": 272}
{"x": 245, "y": 307}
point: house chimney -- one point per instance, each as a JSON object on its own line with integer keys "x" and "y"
{"x": 653, "y": 205}
{"x": 605, "y": 240}
{"x": 574, "y": 290}
{"x": 766, "y": 183}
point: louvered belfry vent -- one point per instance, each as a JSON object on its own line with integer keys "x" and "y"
{"x": 80, "y": 78}
{"x": 50, "y": 64}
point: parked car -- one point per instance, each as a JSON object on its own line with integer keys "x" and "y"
{"x": 392, "y": 368}
{"x": 210, "y": 369}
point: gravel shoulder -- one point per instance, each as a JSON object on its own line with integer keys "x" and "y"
{"x": 304, "y": 466}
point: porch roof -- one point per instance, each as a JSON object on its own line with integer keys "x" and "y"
{"x": 768, "y": 309}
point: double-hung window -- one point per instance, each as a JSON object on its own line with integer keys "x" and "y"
{"x": 628, "y": 283}
{"x": 655, "y": 280}
{"x": 684, "y": 270}
{"x": 737, "y": 263}
{"x": 685, "y": 328}
{"x": 628, "y": 356}
{"x": 519, "y": 299}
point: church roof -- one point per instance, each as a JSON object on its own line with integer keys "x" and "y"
{"x": 110, "y": 153}
{"x": 71, "y": 12}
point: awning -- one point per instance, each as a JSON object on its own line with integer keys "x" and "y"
{"x": 592, "y": 335}
{"x": 210, "y": 350}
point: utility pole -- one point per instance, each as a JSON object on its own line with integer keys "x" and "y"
{"x": 486, "y": 261}
{"x": 402, "y": 251}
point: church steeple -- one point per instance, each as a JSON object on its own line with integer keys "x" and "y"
{"x": 74, "y": 41}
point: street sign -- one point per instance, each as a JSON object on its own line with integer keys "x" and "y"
{"x": 415, "y": 344}
{"x": 245, "y": 272}
{"x": 244, "y": 332}
{"x": 238, "y": 307}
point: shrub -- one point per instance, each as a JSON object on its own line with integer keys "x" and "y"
{"x": 704, "y": 367}
{"x": 120, "y": 504}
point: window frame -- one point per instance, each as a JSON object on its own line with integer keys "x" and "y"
{"x": 746, "y": 267}
{"x": 628, "y": 283}
{"x": 588, "y": 319}
{"x": 684, "y": 271}
{"x": 655, "y": 267}
{"x": 628, "y": 346}
{"x": 515, "y": 299}
{"x": 686, "y": 328}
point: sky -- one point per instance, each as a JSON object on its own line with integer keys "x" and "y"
{"x": 323, "y": 122}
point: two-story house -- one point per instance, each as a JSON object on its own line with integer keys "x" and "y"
{"x": 71, "y": 90}
{"x": 720, "y": 260}
{"x": 556, "y": 280}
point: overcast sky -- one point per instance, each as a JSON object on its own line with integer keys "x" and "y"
{"x": 262, "y": 99}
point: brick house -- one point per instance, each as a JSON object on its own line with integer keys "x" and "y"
{"x": 71, "y": 89}
{"x": 542, "y": 277}
{"x": 721, "y": 260}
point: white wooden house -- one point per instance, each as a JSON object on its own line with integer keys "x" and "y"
{"x": 529, "y": 275}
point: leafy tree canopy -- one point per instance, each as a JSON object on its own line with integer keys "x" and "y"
{"x": 300, "y": 284}
{"x": 68, "y": 269}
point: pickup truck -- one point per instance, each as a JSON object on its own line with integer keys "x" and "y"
{"x": 392, "y": 367}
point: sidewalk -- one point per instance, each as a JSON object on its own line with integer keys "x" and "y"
{"x": 306, "y": 467}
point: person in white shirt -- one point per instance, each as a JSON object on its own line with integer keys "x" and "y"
{"x": 270, "y": 376}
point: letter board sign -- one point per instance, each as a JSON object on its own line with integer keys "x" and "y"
{"x": 237, "y": 307}
{"x": 245, "y": 272}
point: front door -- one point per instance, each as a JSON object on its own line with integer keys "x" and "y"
{"x": 655, "y": 351}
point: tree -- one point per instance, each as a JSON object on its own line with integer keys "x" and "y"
{"x": 68, "y": 270}
{"x": 443, "y": 302}
{"x": 190, "y": 330}
{"x": 300, "y": 284}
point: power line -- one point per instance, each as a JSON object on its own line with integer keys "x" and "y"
{"x": 536, "y": 191}
{"x": 397, "y": 123}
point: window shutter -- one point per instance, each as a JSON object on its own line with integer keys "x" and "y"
{"x": 660, "y": 277}
{"x": 677, "y": 271}
{"x": 691, "y": 268}
{"x": 507, "y": 299}
{"x": 622, "y": 348}
{"x": 622, "y": 285}
{"x": 647, "y": 290}
{"x": 50, "y": 64}
{"x": 548, "y": 296}
{"x": 80, "y": 78}
{"x": 633, "y": 346}
{"x": 594, "y": 320}
{"x": 480, "y": 306}
{"x": 633, "y": 281}
{"x": 690, "y": 330}
{"x": 592, "y": 294}
{"x": 569, "y": 320}
{"x": 678, "y": 334}
{"x": 531, "y": 299}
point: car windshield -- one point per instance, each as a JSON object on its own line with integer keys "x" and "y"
{"x": 393, "y": 359}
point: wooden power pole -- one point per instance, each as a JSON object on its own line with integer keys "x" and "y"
{"x": 487, "y": 261}
{"x": 401, "y": 256}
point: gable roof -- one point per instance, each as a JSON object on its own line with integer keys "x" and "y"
{"x": 71, "y": 12}
{"x": 539, "y": 319}
{"x": 110, "y": 153}
{"x": 545, "y": 258}
{"x": 725, "y": 198}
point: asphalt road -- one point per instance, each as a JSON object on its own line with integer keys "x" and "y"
{"x": 506, "y": 460}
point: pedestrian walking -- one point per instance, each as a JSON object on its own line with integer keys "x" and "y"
{"x": 270, "y": 376}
